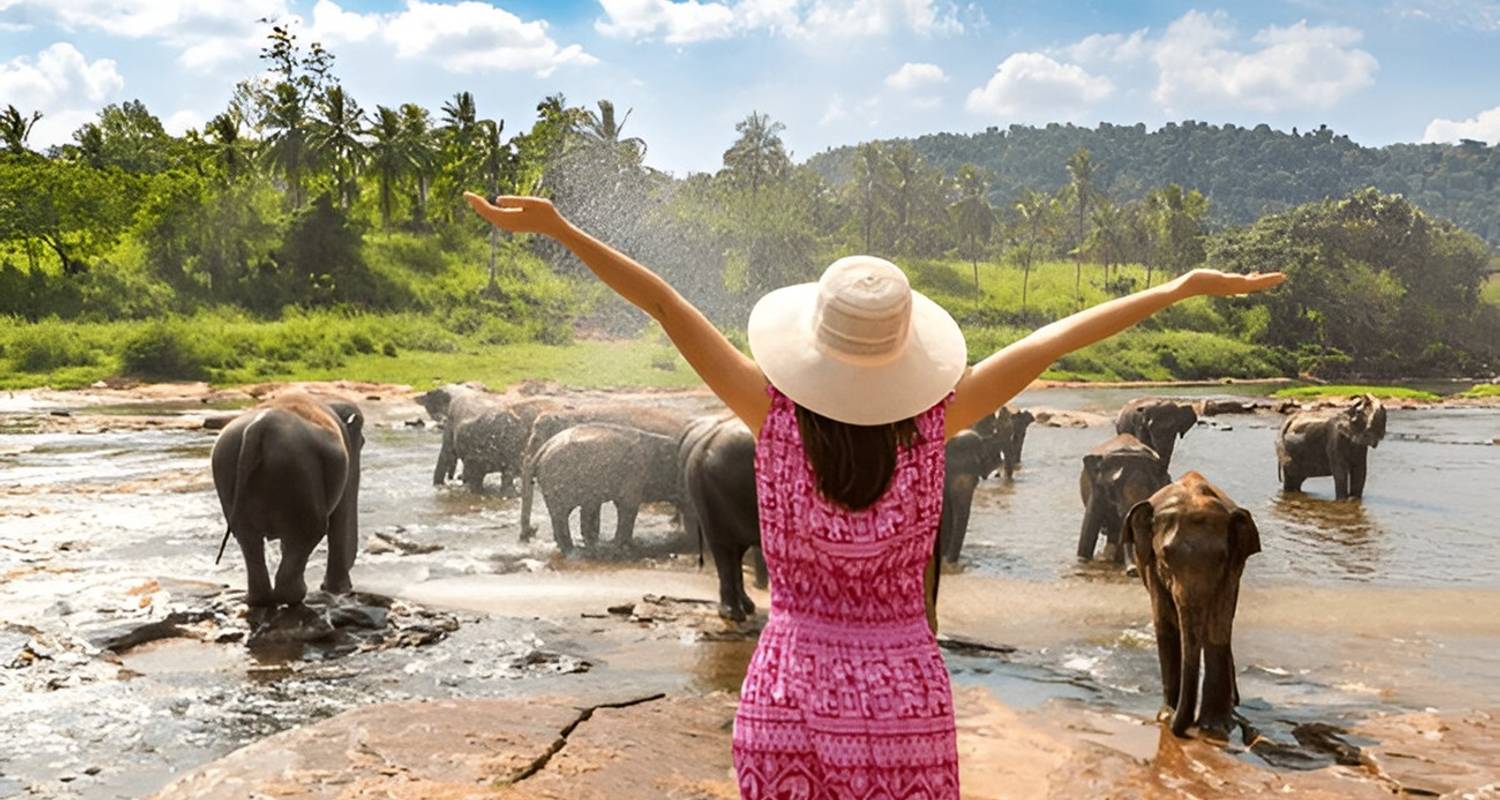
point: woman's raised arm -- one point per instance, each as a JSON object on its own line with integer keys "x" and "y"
{"x": 731, "y": 375}
{"x": 992, "y": 382}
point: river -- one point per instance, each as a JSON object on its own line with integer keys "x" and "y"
{"x": 1351, "y": 608}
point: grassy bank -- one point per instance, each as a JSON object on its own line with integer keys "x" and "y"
{"x": 1190, "y": 341}
{"x": 1336, "y": 391}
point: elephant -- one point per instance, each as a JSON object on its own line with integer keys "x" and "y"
{"x": 716, "y": 458}
{"x": 1313, "y": 444}
{"x": 1011, "y": 427}
{"x": 1191, "y": 543}
{"x": 288, "y": 469}
{"x": 485, "y": 431}
{"x": 971, "y": 456}
{"x": 1116, "y": 475}
{"x": 588, "y": 465}
{"x": 551, "y": 422}
{"x": 1157, "y": 423}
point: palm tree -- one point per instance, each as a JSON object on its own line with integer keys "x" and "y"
{"x": 869, "y": 188}
{"x": 458, "y": 136}
{"x": 494, "y": 163}
{"x": 285, "y": 150}
{"x": 1035, "y": 210}
{"x": 417, "y": 139}
{"x": 334, "y": 138}
{"x": 1081, "y": 170}
{"x": 1108, "y": 237}
{"x": 972, "y": 215}
{"x": 758, "y": 154}
{"x": 15, "y": 128}
{"x": 226, "y": 146}
{"x": 389, "y": 159}
{"x": 601, "y": 134}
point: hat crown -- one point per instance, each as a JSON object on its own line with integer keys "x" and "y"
{"x": 863, "y": 310}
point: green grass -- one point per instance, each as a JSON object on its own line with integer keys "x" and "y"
{"x": 1489, "y": 291}
{"x": 1483, "y": 390}
{"x": 1385, "y": 392}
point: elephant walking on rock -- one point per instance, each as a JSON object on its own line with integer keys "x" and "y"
{"x": 586, "y": 466}
{"x": 716, "y": 457}
{"x": 289, "y": 470}
{"x": 1157, "y": 423}
{"x": 1191, "y": 543}
{"x": 1116, "y": 475}
{"x": 1314, "y": 444}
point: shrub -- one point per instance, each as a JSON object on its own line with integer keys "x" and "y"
{"x": 163, "y": 350}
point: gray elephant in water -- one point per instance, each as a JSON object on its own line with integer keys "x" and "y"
{"x": 551, "y": 422}
{"x": 1313, "y": 444}
{"x": 586, "y": 466}
{"x": 486, "y": 432}
{"x": 1010, "y": 426}
{"x": 1116, "y": 475}
{"x": 970, "y": 457}
{"x": 1191, "y": 543}
{"x": 716, "y": 462}
{"x": 289, "y": 470}
{"x": 1158, "y": 423}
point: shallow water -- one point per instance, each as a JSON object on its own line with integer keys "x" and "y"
{"x": 1350, "y": 608}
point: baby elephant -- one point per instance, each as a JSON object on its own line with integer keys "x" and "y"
{"x": 289, "y": 469}
{"x": 586, "y": 466}
{"x": 1191, "y": 542}
{"x": 1116, "y": 475}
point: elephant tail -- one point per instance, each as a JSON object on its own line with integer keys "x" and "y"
{"x": 249, "y": 459}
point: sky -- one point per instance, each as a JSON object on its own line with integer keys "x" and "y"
{"x": 834, "y": 72}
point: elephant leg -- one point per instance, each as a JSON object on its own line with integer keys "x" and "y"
{"x": 474, "y": 478}
{"x": 741, "y": 598}
{"x": 257, "y": 579}
{"x": 588, "y": 523}
{"x": 762, "y": 578}
{"x": 342, "y": 542}
{"x": 730, "y": 581}
{"x": 1291, "y": 481}
{"x": 1088, "y": 535}
{"x": 528, "y": 479}
{"x": 1358, "y": 463}
{"x": 1234, "y": 677}
{"x": 1340, "y": 481}
{"x": 1218, "y": 691}
{"x": 625, "y": 514}
{"x": 560, "y": 532}
{"x": 291, "y": 587}
{"x": 961, "y": 525}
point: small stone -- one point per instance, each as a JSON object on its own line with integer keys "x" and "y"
{"x": 93, "y": 770}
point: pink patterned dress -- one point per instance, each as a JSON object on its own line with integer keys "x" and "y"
{"x": 847, "y": 696}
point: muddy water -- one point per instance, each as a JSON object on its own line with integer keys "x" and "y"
{"x": 1351, "y": 608}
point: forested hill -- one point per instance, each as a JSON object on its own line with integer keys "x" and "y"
{"x": 1245, "y": 172}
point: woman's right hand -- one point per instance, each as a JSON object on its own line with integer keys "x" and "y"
{"x": 520, "y": 214}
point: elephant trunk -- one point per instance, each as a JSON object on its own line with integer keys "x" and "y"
{"x": 1088, "y": 536}
{"x": 528, "y": 474}
{"x": 1187, "y": 693}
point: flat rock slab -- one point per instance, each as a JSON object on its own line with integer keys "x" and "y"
{"x": 653, "y": 747}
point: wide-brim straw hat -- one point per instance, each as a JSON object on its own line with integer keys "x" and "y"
{"x": 859, "y": 346}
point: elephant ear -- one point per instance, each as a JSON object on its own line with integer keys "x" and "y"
{"x": 1136, "y": 533}
{"x": 1244, "y": 537}
{"x": 1091, "y": 463}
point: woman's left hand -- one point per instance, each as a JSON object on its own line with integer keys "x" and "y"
{"x": 1225, "y": 284}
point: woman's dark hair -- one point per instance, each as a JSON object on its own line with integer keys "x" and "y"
{"x": 853, "y": 464}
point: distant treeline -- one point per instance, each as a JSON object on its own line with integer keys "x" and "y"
{"x": 297, "y": 198}
{"x": 1244, "y": 172}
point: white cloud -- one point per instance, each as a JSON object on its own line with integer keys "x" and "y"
{"x": 333, "y": 25}
{"x": 180, "y": 121}
{"x": 915, "y": 76}
{"x": 835, "y": 113}
{"x": 684, "y": 21}
{"x": 1119, "y": 48}
{"x": 1484, "y": 126}
{"x": 477, "y": 37}
{"x": 1300, "y": 66}
{"x": 205, "y": 32}
{"x": 1034, "y": 86}
{"x": 1480, "y": 15}
{"x": 61, "y": 83}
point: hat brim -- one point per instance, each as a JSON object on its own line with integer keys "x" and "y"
{"x": 784, "y": 344}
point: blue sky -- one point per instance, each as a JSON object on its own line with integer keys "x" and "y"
{"x": 834, "y": 71}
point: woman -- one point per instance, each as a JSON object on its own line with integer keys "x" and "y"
{"x": 853, "y": 386}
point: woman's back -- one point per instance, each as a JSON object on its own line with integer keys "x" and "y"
{"x": 847, "y": 694}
